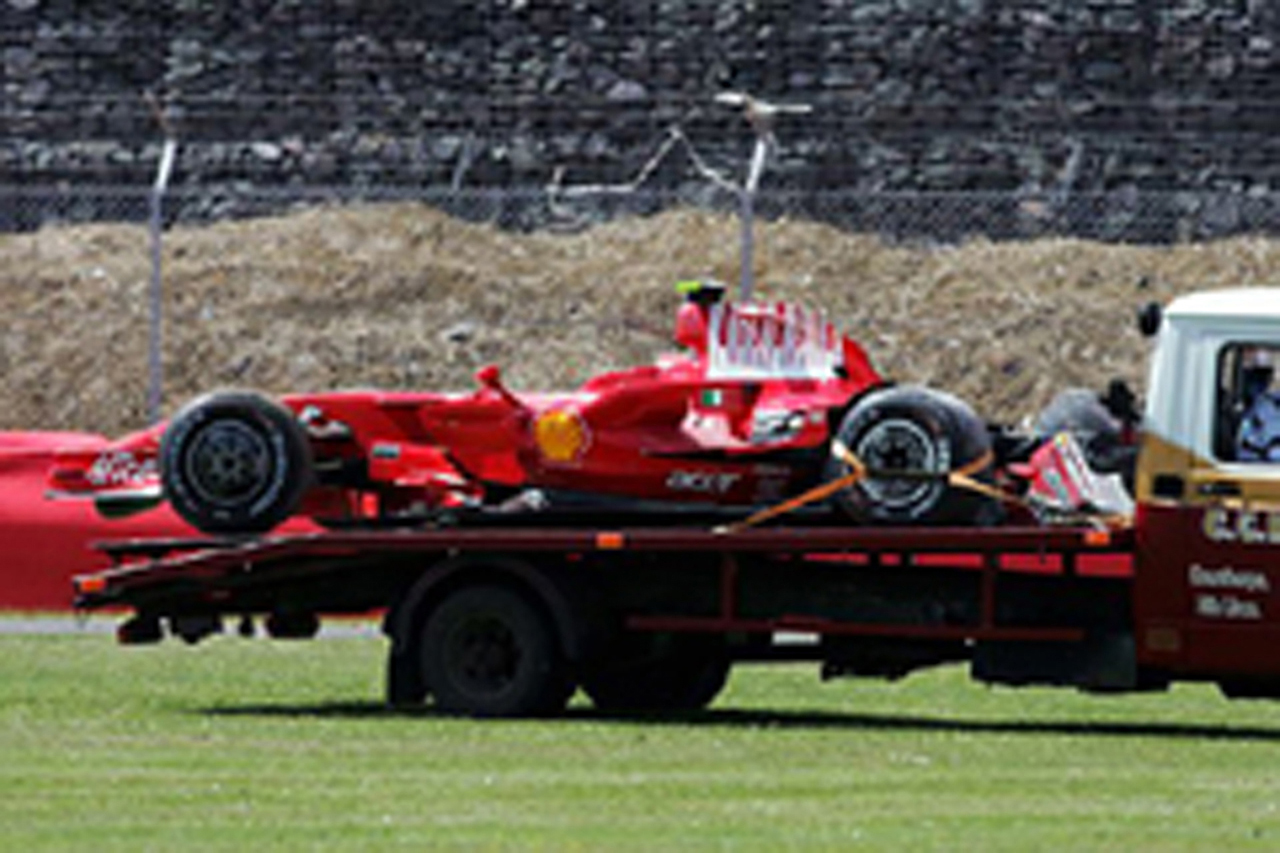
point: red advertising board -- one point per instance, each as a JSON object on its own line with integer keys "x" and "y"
{"x": 43, "y": 543}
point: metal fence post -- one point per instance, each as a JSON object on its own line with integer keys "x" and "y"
{"x": 761, "y": 115}
{"x": 155, "y": 366}
{"x": 747, "y": 212}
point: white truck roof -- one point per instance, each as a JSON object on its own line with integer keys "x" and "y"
{"x": 1251, "y": 303}
{"x": 1185, "y": 367}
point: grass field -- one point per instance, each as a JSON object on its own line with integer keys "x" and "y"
{"x": 268, "y": 745}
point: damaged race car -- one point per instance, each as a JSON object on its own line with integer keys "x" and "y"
{"x": 765, "y": 401}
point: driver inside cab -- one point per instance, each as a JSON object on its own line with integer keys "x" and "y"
{"x": 1258, "y": 439}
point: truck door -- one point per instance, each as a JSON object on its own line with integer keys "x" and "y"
{"x": 1228, "y": 561}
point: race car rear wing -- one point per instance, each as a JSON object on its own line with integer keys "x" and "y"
{"x": 778, "y": 340}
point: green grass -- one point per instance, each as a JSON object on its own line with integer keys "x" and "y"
{"x": 242, "y": 744}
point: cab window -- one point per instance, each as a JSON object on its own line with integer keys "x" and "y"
{"x": 1248, "y": 404}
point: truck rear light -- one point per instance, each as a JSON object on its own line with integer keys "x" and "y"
{"x": 1097, "y": 538}
{"x": 89, "y": 584}
{"x": 610, "y": 541}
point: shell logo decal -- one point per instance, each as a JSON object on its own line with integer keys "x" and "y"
{"x": 561, "y": 435}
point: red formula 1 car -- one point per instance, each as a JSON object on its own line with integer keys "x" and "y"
{"x": 747, "y": 415}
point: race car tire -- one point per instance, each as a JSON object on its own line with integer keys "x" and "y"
{"x": 688, "y": 676}
{"x": 234, "y": 462}
{"x": 487, "y": 651}
{"x": 927, "y": 433}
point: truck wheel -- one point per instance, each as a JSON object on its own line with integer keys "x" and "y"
{"x": 404, "y": 685}
{"x": 684, "y": 677}
{"x": 922, "y": 432}
{"x": 487, "y": 652}
{"x": 1244, "y": 687}
{"x": 234, "y": 462}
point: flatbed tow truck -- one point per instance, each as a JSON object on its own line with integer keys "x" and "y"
{"x": 507, "y": 615}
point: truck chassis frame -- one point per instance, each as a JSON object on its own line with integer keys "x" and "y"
{"x": 623, "y": 603}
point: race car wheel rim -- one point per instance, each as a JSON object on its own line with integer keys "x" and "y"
{"x": 899, "y": 444}
{"x": 228, "y": 463}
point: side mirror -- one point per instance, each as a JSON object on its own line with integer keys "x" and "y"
{"x": 1149, "y": 317}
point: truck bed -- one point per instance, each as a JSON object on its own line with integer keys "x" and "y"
{"x": 349, "y": 571}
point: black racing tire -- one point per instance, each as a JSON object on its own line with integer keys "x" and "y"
{"x": 487, "y": 651}
{"x": 234, "y": 462}
{"x": 920, "y": 430}
{"x": 685, "y": 674}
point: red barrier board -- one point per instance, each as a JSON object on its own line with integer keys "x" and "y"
{"x": 43, "y": 543}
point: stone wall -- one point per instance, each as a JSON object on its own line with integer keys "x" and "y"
{"x": 1026, "y": 95}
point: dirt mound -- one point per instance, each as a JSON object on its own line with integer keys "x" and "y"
{"x": 402, "y": 296}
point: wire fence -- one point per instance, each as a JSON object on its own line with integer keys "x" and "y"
{"x": 1125, "y": 215}
{"x": 429, "y": 304}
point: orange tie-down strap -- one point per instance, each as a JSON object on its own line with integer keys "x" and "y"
{"x": 961, "y": 478}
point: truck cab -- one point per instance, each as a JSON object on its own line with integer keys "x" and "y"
{"x": 1207, "y": 585}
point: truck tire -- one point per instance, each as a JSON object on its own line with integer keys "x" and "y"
{"x": 486, "y": 651}
{"x": 922, "y": 431}
{"x": 687, "y": 676}
{"x": 234, "y": 462}
{"x": 405, "y": 687}
{"x": 1245, "y": 687}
